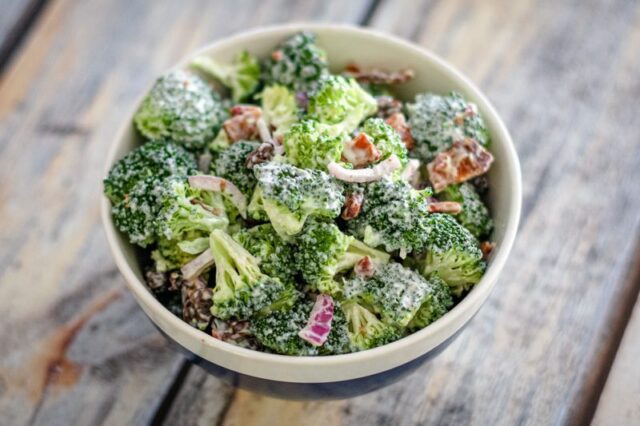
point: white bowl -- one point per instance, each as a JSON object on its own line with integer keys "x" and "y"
{"x": 329, "y": 376}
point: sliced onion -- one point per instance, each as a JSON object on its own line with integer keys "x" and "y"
{"x": 318, "y": 327}
{"x": 374, "y": 173}
{"x": 198, "y": 265}
{"x": 263, "y": 130}
{"x": 218, "y": 184}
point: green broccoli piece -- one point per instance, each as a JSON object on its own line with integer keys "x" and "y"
{"x": 396, "y": 293}
{"x": 171, "y": 254}
{"x": 386, "y": 139}
{"x": 279, "y": 332}
{"x": 182, "y": 108}
{"x": 219, "y": 143}
{"x": 274, "y": 255}
{"x": 135, "y": 186}
{"x": 279, "y": 108}
{"x": 437, "y": 303}
{"x": 231, "y": 165}
{"x": 341, "y": 103}
{"x": 323, "y": 252}
{"x": 393, "y": 216}
{"x": 309, "y": 145}
{"x": 242, "y": 290}
{"x": 474, "y": 215}
{"x": 453, "y": 252}
{"x": 288, "y": 195}
{"x": 241, "y": 76}
{"x": 366, "y": 331}
{"x": 437, "y": 121}
{"x": 298, "y": 63}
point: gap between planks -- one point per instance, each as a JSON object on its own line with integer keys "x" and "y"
{"x": 19, "y": 31}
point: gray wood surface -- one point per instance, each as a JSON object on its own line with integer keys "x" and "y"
{"x": 74, "y": 348}
{"x": 16, "y": 17}
{"x": 564, "y": 75}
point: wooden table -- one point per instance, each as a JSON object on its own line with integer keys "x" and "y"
{"x": 556, "y": 343}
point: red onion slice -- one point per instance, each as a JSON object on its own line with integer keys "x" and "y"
{"x": 218, "y": 184}
{"x": 198, "y": 265}
{"x": 381, "y": 169}
{"x": 318, "y": 327}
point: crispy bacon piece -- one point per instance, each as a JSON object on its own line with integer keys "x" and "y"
{"x": 465, "y": 160}
{"x": 399, "y": 123}
{"x": 243, "y": 123}
{"x": 352, "y": 205}
{"x": 361, "y": 151}
{"x": 260, "y": 155}
{"x": 378, "y": 76}
{"x": 365, "y": 268}
{"x": 487, "y": 247}
{"x": 387, "y": 106}
{"x": 451, "y": 207}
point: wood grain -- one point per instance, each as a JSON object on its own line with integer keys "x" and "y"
{"x": 564, "y": 75}
{"x": 15, "y": 21}
{"x": 75, "y": 347}
{"x": 620, "y": 400}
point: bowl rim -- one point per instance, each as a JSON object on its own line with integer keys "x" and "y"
{"x": 460, "y": 313}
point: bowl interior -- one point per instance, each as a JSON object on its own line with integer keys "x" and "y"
{"x": 369, "y": 49}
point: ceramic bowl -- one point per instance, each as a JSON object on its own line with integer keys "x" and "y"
{"x": 337, "y": 376}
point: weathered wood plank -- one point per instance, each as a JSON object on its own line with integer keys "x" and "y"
{"x": 75, "y": 348}
{"x": 16, "y": 19}
{"x": 620, "y": 400}
{"x": 564, "y": 77}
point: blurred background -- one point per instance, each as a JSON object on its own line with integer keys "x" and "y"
{"x": 558, "y": 341}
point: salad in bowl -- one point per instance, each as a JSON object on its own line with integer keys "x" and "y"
{"x": 284, "y": 205}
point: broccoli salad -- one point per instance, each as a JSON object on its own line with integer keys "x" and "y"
{"x": 290, "y": 209}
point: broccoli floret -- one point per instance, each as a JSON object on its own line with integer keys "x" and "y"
{"x": 242, "y": 290}
{"x": 135, "y": 183}
{"x": 386, "y": 139}
{"x": 279, "y": 332}
{"x": 231, "y": 165}
{"x": 182, "y": 108}
{"x": 241, "y": 76}
{"x": 219, "y": 143}
{"x": 274, "y": 255}
{"x": 437, "y": 121}
{"x": 323, "y": 252}
{"x": 298, "y": 63}
{"x": 288, "y": 196}
{"x": 453, "y": 252}
{"x": 437, "y": 303}
{"x": 171, "y": 254}
{"x": 393, "y": 216}
{"x": 474, "y": 215}
{"x": 366, "y": 331}
{"x": 279, "y": 108}
{"x": 396, "y": 293}
{"x": 309, "y": 145}
{"x": 341, "y": 103}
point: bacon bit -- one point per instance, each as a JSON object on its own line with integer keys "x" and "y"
{"x": 318, "y": 327}
{"x": 388, "y": 106}
{"x": 399, "y": 124}
{"x": 243, "y": 123}
{"x": 218, "y": 184}
{"x": 277, "y": 55}
{"x": 361, "y": 151}
{"x": 260, "y": 155}
{"x": 352, "y": 205}
{"x": 376, "y": 172}
{"x": 487, "y": 247}
{"x": 198, "y": 265}
{"x": 465, "y": 160}
{"x": 451, "y": 207}
{"x": 376, "y": 76}
{"x": 365, "y": 268}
